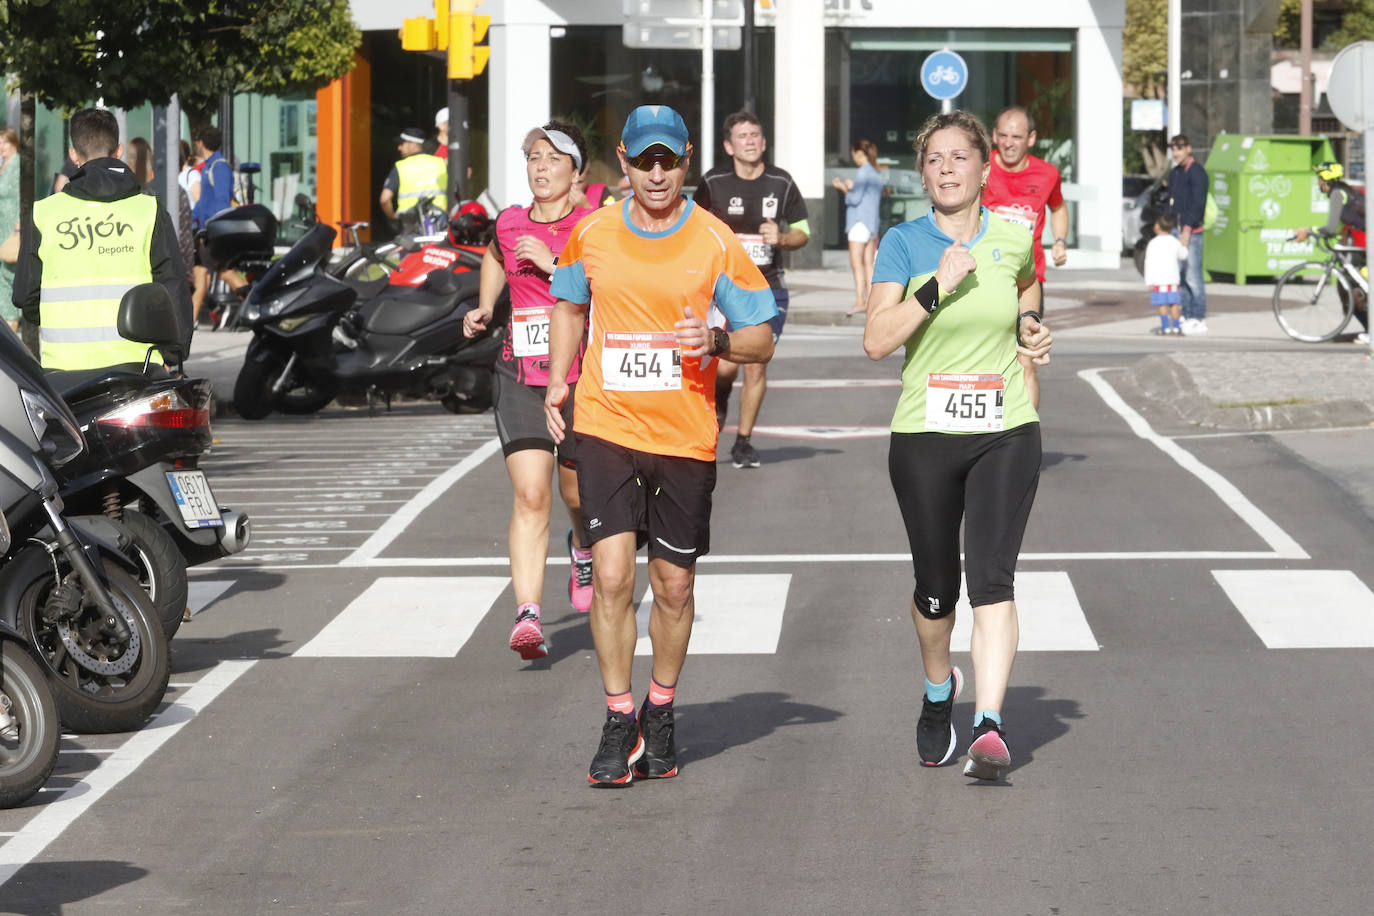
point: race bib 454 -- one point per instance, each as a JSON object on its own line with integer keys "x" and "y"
{"x": 641, "y": 361}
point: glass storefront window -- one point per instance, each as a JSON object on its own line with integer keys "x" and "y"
{"x": 597, "y": 82}
{"x": 278, "y": 133}
{"x": 873, "y": 91}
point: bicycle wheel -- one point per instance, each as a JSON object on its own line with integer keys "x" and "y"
{"x": 1312, "y": 301}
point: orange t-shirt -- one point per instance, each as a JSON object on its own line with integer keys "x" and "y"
{"x": 636, "y": 389}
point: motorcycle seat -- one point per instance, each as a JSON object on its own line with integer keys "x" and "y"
{"x": 410, "y": 309}
{"x": 76, "y": 384}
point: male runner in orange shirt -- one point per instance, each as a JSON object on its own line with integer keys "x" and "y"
{"x": 649, "y": 269}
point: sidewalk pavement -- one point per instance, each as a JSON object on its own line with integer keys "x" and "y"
{"x": 1243, "y": 374}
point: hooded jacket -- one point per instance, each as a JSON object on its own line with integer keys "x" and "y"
{"x": 106, "y": 179}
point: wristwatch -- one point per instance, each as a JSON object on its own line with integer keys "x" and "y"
{"x": 720, "y": 342}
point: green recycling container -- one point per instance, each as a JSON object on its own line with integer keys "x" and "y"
{"x": 1264, "y": 188}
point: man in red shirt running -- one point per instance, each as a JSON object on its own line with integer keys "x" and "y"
{"x": 1020, "y": 187}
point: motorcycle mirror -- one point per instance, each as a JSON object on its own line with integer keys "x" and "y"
{"x": 304, "y": 202}
{"x": 148, "y": 315}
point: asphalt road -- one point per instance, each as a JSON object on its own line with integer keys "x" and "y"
{"x": 348, "y": 731}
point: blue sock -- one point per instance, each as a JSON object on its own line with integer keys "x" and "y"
{"x": 1164, "y": 322}
{"x": 986, "y": 714}
{"x": 1174, "y": 323}
{"x": 938, "y": 693}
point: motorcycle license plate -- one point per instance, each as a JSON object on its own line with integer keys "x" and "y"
{"x": 197, "y": 504}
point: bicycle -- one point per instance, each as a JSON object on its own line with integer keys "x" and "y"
{"x": 1315, "y": 300}
{"x": 364, "y": 262}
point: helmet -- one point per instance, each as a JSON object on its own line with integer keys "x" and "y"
{"x": 468, "y": 225}
{"x": 1330, "y": 171}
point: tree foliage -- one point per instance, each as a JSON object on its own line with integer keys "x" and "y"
{"x": 1356, "y": 25}
{"x": 131, "y": 52}
{"x": 1145, "y": 46}
{"x": 1288, "y": 31}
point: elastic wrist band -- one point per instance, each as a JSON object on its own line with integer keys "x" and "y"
{"x": 928, "y": 296}
{"x": 1035, "y": 315}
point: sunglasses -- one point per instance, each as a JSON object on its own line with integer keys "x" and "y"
{"x": 660, "y": 155}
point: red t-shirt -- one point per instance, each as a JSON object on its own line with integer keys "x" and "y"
{"x": 1022, "y": 197}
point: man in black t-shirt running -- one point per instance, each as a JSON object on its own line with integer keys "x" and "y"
{"x": 762, "y": 206}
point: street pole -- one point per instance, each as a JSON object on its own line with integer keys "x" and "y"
{"x": 749, "y": 55}
{"x": 708, "y": 93}
{"x": 1175, "y": 89}
{"x": 457, "y": 142}
{"x": 1305, "y": 93}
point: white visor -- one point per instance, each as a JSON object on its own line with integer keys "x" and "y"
{"x": 561, "y": 142}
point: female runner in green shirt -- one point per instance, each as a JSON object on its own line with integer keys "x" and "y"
{"x": 957, "y": 288}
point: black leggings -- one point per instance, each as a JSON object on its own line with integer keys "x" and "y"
{"x": 988, "y": 480}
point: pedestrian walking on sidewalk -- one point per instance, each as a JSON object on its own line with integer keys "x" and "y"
{"x": 957, "y": 289}
{"x": 1187, "y": 186}
{"x": 763, "y": 208}
{"x": 648, "y": 271}
{"x": 528, "y": 240}
{"x": 1162, "y": 257}
{"x": 862, "y": 195}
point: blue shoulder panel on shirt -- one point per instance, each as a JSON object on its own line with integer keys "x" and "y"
{"x": 743, "y": 307}
{"x": 570, "y": 282}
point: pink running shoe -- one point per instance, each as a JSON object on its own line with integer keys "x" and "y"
{"x": 527, "y": 637}
{"x": 579, "y": 579}
{"x": 988, "y": 754}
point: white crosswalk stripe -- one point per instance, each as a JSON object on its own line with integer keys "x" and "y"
{"x": 1047, "y": 609}
{"x": 1302, "y": 608}
{"x": 409, "y": 617}
{"x": 736, "y": 615}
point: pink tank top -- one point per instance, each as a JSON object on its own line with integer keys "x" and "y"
{"x": 525, "y": 353}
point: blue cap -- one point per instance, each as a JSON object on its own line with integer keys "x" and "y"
{"x": 650, "y": 124}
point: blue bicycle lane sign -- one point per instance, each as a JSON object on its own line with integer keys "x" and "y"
{"x": 944, "y": 75}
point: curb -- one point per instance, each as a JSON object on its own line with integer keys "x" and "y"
{"x": 1170, "y": 387}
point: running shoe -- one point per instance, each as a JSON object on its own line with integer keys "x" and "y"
{"x": 988, "y": 754}
{"x": 660, "y": 751}
{"x": 579, "y": 579}
{"x": 1362, "y": 338}
{"x": 743, "y": 454}
{"x": 527, "y": 636}
{"x": 621, "y": 745}
{"x": 935, "y": 734}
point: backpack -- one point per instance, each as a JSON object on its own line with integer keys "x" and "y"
{"x": 1210, "y": 211}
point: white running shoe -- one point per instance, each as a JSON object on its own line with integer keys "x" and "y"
{"x": 1362, "y": 338}
{"x": 1199, "y": 327}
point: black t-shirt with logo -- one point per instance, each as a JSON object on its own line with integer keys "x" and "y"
{"x": 743, "y": 204}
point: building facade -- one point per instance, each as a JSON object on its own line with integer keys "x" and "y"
{"x": 828, "y": 72}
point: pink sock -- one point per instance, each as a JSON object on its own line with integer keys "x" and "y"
{"x": 623, "y": 703}
{"x": 660, "y": 696}
{"x": 582, "y": 554}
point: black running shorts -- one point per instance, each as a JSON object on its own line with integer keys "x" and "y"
{"x": 985, "y": 480}
{"x": 664, "y": 499}
{"x": 520, "y": 420}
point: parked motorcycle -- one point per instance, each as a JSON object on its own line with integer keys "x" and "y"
{"x": 316, "y": 335}
{"x": 145, "y": 431}
{"x": 29, "y": 729}
{"x": 65, "y": 585}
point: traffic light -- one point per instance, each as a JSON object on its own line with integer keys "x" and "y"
{"x": 467, "y": 57}
{"x": 417, "y": 34}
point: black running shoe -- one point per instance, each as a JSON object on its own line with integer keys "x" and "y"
{"x": 988, "y": 754}
{"x": 660, "y": 751}
{"x": 743, "y": 454}
{"x": 935, "y": 734}
{"x": 621, "y": 745}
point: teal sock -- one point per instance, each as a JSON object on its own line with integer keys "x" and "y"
{"x": 938, "y": 693}
{"x": 986, "y": 714}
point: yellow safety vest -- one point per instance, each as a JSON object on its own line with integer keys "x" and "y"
{"x": 421, "y": 175}
{"x": 92, "y": 251}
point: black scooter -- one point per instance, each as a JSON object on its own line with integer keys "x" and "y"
{"x": 64, "y": 582}
{"x": 145, "y": 431}
{"x": 315, "y": 335}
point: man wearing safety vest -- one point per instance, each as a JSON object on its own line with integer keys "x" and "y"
{"x": 87, "y": 245}
{"x": 415, "y": 175}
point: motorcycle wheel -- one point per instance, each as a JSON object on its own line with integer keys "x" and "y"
{"x": 28, "y": 755}
{"x": 253, "y": 398}
{"x": 163, "y": 568}
{"x": 95, "y": 689}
